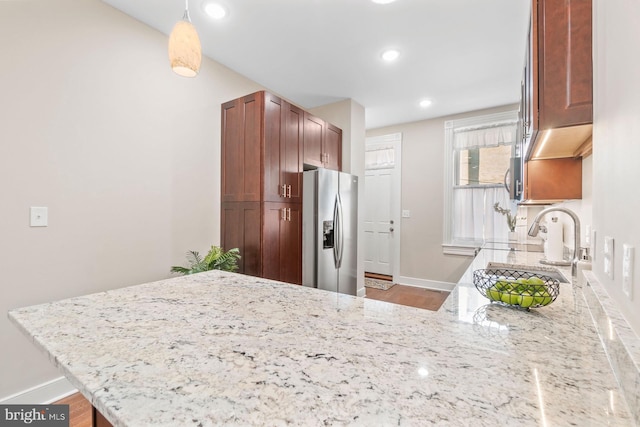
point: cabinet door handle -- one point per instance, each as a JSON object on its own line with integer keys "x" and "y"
{"x": 288, "y": 214}
{"x": 327, "y": 157}
{"x": 284, "y": 190}
{"x": 289, "y": 191}
{"x": 283, "y": 214}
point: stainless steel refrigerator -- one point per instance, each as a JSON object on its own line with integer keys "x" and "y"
{"x": 329, "y": 230}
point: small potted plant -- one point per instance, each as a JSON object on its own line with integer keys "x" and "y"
{"x": 216, "y": 259}
{"x": 511, "y": 220}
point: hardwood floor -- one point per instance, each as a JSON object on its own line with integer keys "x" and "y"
{"x": 410, "y": 295}
{"x": 80, "y": 410}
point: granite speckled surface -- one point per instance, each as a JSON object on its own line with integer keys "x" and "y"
{"x": 619, "y": 340}
{"x": 220, "y": 348}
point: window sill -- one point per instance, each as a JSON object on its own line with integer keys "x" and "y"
{"x": 461, "y": 250}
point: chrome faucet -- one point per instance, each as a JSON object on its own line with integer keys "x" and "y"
{"x": 535, "y": 227}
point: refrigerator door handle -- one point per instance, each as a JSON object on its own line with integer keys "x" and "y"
{"x": 336, "y": 231}
{"x": 340, "y": 235}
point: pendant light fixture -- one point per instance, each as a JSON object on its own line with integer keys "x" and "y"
{"x": 185, "y": 52}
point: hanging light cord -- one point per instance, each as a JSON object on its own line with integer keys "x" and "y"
{"x": 186, "y": 16}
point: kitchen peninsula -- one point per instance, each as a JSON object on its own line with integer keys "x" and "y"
{"x": 220, "y": 348}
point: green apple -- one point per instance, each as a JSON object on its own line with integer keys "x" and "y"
{"x": 535, "y": 280}
{"x": 526, "y": 300}
{"x": 494, "y": 294}
{"x": 546, "y": 300}
{"x": 503, "y": 286}
{"x": 510, "y": 298}
{"x": 536, "y": 289}
{"x": 542, "y": 297}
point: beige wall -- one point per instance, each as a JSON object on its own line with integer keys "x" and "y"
{"x": 421, "y": 254}
{"x": 124, "y": 153}
{"x": 616, "y": 146}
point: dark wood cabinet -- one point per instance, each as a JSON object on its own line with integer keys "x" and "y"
{"x": 263, "y": 142}
{"x": 553, "y": 179}
{"x": 99, "y": 420}
{"x": 565, "y": 65}
{"x": 558, "y": 79}
{"x": 292, "y": 150}
{"x": 322, "y": 143}
{"x": 282, "y": 240}
{"x": 283, "y": 130}
{"x": 333, "y": 147}
{"x": 241, "y": 228}
{"x": 556, "y": 108}
{"x": 241, "y": 148}
{"x": 314, "y": 129}
{"x": 261, "y": 149}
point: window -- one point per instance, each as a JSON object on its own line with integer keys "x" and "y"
{"x": 477, "y": 153}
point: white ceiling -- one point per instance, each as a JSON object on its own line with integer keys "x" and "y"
{"x": 462, "y": 54}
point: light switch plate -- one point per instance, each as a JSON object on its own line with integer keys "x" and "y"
{"x": 39, "y": 217}
{"x": 608, "y": 255}
{"x": 628, "y": 253}
{"x": 406, "y": 214}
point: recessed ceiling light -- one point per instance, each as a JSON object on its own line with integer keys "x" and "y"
{"x": 215, "y": 10}
{"x": 425, "y": 103}
{"x": 383, "y": 1}
{"x": 390, "y": 55}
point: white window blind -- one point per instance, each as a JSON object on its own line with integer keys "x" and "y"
{"x": 379, "y": 158}
{"x": 487, "y": 135}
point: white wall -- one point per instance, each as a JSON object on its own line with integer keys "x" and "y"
{"x": 616, "y": 142}
{"x": 421, "y": 237}
{"x": 125, "y": 154}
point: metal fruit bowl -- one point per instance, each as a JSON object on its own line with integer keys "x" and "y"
{"x": 516, "y": 287}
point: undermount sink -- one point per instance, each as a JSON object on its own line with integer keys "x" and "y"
{"x": 551, "y": 272}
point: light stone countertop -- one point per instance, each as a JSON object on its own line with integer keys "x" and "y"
{"x": 219, "y": 348}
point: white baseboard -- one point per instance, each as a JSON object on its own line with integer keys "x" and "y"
{"x": 41, "y": 394}
{"x": 361, "y": 292}
{"x": 427, "y": 284}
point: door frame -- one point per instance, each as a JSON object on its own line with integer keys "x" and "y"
{"x": 395, "y": 140}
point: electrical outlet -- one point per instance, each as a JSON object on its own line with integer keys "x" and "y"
{"x": 406, "y": 214}
{"x": 587, "y": 236}
{"x": 39, "y": 217}
{"x": 593, "y": 245}
{"x": 608, "y": 255}
{"x": 628, "y": 253}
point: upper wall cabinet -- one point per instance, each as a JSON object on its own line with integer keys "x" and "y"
{"x": 282, "y": 150}
{"x": 557, "y": 98}
{"x": 261, "y": 149}
{"x": 322, "y": 143}
{"x": 241, "y": 148}
{"x": 333, "y": 148}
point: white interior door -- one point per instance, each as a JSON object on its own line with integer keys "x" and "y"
{"x": 382, "y": 205}
{"x": 378, "y": 222}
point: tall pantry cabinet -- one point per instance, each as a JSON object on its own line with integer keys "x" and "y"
{"x": 262, "y": 163}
